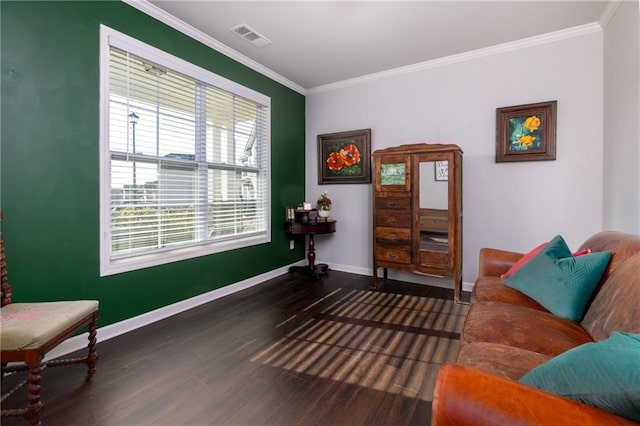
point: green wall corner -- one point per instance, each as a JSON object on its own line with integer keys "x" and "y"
{"x": 49, "y": 178}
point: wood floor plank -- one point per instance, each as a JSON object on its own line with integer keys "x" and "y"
{"x": 290, "y": 351}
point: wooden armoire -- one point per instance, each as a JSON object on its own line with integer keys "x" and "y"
{"x": 417, "y": 211}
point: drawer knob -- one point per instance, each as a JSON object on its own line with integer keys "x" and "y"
{"x": 392, "y": 203}
{"x": 393, "y": 237}
{"x": 392, "y": 255}
{"x": 392, "y": 219}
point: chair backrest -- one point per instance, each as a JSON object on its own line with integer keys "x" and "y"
{"x": 4, "y": 282}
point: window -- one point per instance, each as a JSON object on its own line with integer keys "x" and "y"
{"x": 184, "y": 159}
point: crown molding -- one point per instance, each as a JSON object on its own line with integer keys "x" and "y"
{"x": 609, "y": 11}
{"x": 159, "y": 14}
{"x": 463, "y": 57}
{"x": 166, "y": 18}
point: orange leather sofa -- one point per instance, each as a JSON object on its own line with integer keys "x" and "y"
{"x": 507, "y": 334}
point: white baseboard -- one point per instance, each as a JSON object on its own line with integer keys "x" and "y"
{"x": 403, "y": 276}
{"x": 110, "y": 331}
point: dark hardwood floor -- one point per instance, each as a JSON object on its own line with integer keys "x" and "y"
{"x": 290, "y": 351}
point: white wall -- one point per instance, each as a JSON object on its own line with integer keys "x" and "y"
{"x": 622, "y": 121}
{"x": 507, "y": 205}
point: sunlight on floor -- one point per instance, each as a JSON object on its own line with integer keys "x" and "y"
{"x": 387, "y": 342}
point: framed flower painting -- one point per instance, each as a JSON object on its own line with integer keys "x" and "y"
{"x": 344, "y": 157}
{"x": 526, "y": 132}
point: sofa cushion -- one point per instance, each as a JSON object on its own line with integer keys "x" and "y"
{"x": 560, "y": 282}
{"x": 524, "y": 259}
{"x": 621, "y": 245}
{"x": 501, "y": 360}
{"x": 492, "y": 289}
{"x": 521, "y": 327}
{"x": 616, "y": 307}
{"x": 604, "y": 374}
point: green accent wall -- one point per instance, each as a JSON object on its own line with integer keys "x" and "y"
{"x": 49, "y": 189}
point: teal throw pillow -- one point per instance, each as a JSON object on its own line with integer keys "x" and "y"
{"x": 605, "y": 375}
{"x": 559, "y": 281}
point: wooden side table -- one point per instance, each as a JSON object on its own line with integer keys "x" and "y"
{"x": 311, "y": 228}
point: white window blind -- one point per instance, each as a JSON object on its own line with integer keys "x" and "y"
{"x": 187, "y": 160}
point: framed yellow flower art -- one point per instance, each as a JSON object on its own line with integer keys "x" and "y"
{"x": 526, "y": 132}
{"x": 344, "y": 157}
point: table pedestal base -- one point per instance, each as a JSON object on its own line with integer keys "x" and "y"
{"x": 316, "y": 271}
{"x": 313, "y": 270}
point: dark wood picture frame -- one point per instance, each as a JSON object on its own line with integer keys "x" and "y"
{"x": 526, "y": 132}
{"x": 344, "y": 157}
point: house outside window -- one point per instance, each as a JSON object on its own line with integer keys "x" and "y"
{"x": 184, "y": 159}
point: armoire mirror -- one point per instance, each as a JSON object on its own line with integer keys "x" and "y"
{"x": 433, "y": 206}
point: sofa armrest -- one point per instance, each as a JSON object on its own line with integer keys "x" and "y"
{"x": 495, "y": 262}
{"x": 466, "y": 396}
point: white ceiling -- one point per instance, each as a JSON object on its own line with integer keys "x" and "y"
{"x": 321, "y": 43}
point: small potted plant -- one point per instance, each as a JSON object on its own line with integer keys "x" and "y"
{"x": 324, "y": 205}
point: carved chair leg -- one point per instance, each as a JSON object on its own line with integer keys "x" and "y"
{"x": 33, "y": 387}
{"x": 92, "y": 358}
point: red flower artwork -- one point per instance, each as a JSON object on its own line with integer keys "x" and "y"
{"x": 335, "y": 161}
{"x": 350, "y": 154}
{"x": 347, "y": 156}
{"x": 344, "y": 157}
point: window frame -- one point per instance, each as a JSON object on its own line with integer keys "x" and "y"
{"x": 109, "y": 264}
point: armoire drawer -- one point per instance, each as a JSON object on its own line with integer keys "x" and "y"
{"x": 386, "y": 235}
{"x": 397, "y": 254}
{"x": 393, "y": 203}
{"x": 393, "y": 219}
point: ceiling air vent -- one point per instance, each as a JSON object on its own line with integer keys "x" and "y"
{"x": 251, "y": 35}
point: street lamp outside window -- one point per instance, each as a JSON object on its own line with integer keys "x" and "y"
{"x": 133, "y": 119}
